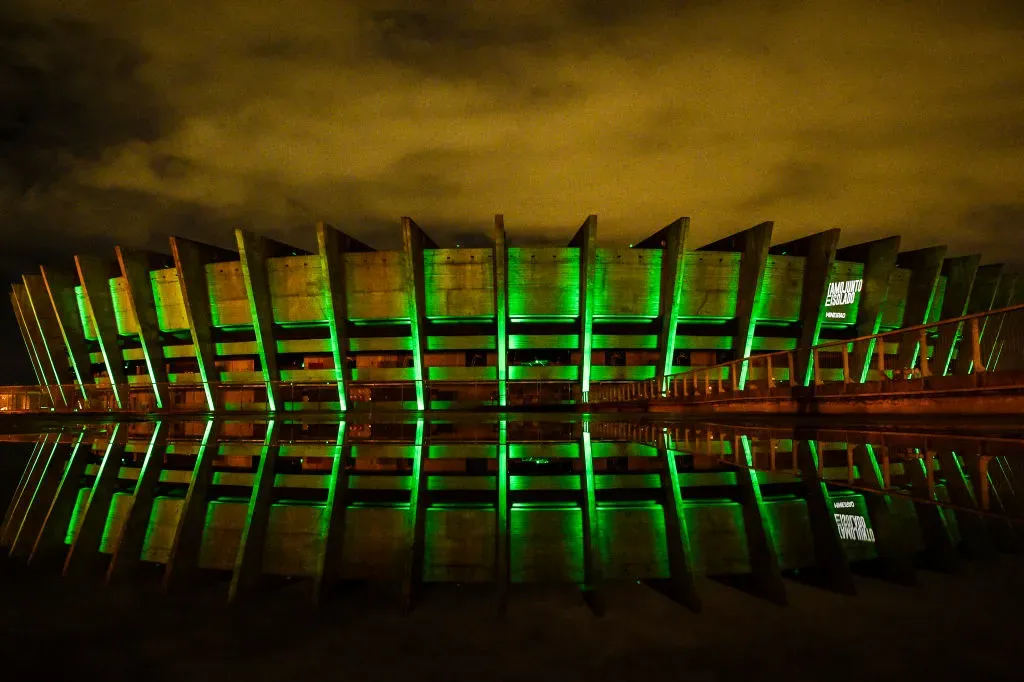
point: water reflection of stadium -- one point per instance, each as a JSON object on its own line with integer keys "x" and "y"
{"x": 498, "y": 500}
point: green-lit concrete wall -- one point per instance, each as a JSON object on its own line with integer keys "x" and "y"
{"x": 459, "y": 283}
{"x": 710, "y": 282}
{"x": 896, "y": 299}
{"x": 375, "y": 286}
{"x": 459, "y": 299}
{"x": 782, "y": 289}
{"x": 229, "y": 304}
{"x": 127, "y": 321}
{"x": 543, "y": 282}
{"x": 628, "y": 283}
{"x": 170, "y": 308}
{"x": 296, "y": 289}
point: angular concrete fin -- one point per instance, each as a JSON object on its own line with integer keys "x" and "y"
{"x": 60, "y": 287}
{"x": 348, "y": 243}
{"x": 739, "y": 240}
{"x": 501, "y": 305}
{"x": 879, "y": 259}
{"x": 925, "y": 265}
{"x": 135, "y": 268}
{"x": 41, "y": 313}
{"x": 804, "y": 246}
{"x": 414, "y": 241}
{"x": 960, "y": 273}
{"x": 95, "y": 274}
{"x": 253, "y": 252}
{"x": 586, "y": 241}
{"x": 274, "y": 248}
{"x": 27, "y": 336}
{"x": 332, "y": 246}
{"x": 865, "y": 251}
{"x": 929, "y": 256}
{"x": 208, "y": 252}
{"x": 819, "y": 252}
{"x": 190, "y": 261}
{"x": 986, "y": 286}
{"x": 589, "y": 226}
{"x": 425, "y": 241}
{"x": 672, "y": 241}
{"x": 659, "y": 240}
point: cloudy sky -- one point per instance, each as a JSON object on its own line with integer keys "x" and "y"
{"x": 124, "y": 122}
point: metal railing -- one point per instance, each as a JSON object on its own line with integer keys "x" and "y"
{"x": 992, "y": 341}
{"x": 139, "y": 396}
{"x": 938, "y": 459}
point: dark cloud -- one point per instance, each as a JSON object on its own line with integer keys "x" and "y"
{"x": 794, "y": 181}
{"x": 70, "y": 92}
{"x": 130, "y": 121}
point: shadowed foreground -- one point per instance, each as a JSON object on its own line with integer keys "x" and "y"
{"x": 949, "y": 627}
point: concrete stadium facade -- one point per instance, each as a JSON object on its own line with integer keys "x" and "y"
{"x": 274, "y": 328}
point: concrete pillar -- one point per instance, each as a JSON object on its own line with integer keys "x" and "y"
{"x": 188, "y": 534}
{"x": 128, "y": 548}
{"x": 672, "y": 241}
{"x": 22, "y": 482}
{"x": 34, "y": 468}
{"x": 586, "y": 241}
{"x": 502, "y": 551}
{"x": 677, "y": 534}
{"x": 253, "y": 251}
{"x": 39, "y": 501}
{"x": 332, "y": 245}
{"x": 414, "y": 241}
{"x": 1005, "y": 297}
{"x": 960, "y": 274}
{"x": 931, "y": 519}
{"x": 49, "y": 335}
{"x": 328, "y": 570}
{"x": 418, "y": 488}
{"x": 819, "y": 252}
{"x": 50, "y": 540}
{"x": 764, "y": 560}
{"x": 249, "y": 558}
{"x": 501, "y": 306}
{"x": 879, "y": 259}
{"x": 753, "y": 246}
{"x": 135, "y": 267}
{"x": 983, "y": 299}
{"x": 190, "y": 260}
{"x": 828, "y": 547}
{"x": 925, "y": 266}
{"x": 60, "y": 289}
{"x": 590, "y": 526}
{"x": 973, "y": 530}
{"x": 94, "y": 275}
{"x": 84, "y": 552}
{"x": 29, "y": 338}
{"x": 892, "y": 550}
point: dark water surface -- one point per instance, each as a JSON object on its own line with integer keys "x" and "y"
{"x": 964, "y": 627}
{"x": 959, "y": 626}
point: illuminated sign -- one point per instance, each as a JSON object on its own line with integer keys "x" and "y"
{"x": 841, "y": 295}
{"x": 851, "y": 526}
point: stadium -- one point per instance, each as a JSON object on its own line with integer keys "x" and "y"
{"x": 273, "y": 328}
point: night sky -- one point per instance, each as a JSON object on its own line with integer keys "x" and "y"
{"x": 129, "y": 121}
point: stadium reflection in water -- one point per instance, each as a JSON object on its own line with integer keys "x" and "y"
{"x": 505, "y": 499}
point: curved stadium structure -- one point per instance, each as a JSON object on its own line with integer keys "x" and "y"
{"x": 430, "y": 496}
{"x": 273, "y": 328}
